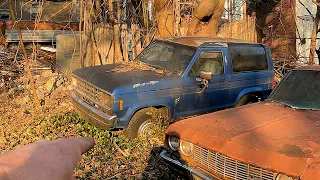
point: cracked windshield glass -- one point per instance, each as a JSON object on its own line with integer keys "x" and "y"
{"x": 171, "y": 57}
{"x": 300, "y": 89}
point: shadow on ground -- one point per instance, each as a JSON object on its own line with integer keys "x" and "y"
{"x": 157, "y": 168}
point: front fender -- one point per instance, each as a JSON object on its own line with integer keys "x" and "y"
{"x": 248, "y": 91}
{"x": 125, "y": 117}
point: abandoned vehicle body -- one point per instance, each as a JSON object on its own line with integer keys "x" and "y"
{"x": 191, "y": 75}
{"x": 278, "y": 139}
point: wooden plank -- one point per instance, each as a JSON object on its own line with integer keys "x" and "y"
{"x": 101, "y": 37}
{"x": 177, "y": 17}
{"x": 2, "y": 33}
{"x": 124, "y": 41}
{"x": 136, "y": 43}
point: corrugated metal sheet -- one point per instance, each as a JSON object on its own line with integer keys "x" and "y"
{"x": 36, "y": 35}
{"x": 68, "y": 53}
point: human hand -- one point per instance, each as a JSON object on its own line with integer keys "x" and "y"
{"x": 50, "y": 160}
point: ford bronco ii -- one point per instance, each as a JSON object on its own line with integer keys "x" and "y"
{"x": 187, "y": 76}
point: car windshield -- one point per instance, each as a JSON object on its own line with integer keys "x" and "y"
{"x": 173, "y": 58}
{"x": 299, "y": 89}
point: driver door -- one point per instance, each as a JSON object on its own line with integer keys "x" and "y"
{"x": 215, "y": 96}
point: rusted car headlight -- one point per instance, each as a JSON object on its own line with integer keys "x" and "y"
{"x": 186, "y": 148}
{"x": 173, "y": 143}
{"x": 283, "y": 177}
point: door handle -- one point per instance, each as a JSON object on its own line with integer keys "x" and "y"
{"x": 223, "y": 80}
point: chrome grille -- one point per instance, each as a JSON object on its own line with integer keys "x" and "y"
{"x": 93, "y": 95}
{"x": 228, "y": 167}
{"x": 88, "y": 89}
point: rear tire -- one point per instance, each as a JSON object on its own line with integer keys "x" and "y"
{"x": 246, "y": 99}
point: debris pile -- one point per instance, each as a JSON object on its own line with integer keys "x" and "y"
{"x": 11, "y": 67}
{"x": 132, "y": 65}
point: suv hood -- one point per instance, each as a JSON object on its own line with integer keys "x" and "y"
{"x": 264, "y": 134}
{"x": 107, "y": 79}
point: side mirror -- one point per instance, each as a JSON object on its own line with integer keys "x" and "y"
{"x": 206, "y": 75}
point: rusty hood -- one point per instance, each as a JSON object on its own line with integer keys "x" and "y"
{"x": 264, "y": 134}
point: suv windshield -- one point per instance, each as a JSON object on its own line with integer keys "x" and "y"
{"x": 299, "y": 89}
{"x": 172, "y": 57}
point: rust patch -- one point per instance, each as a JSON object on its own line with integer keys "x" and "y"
{"x": 293, "y": 151}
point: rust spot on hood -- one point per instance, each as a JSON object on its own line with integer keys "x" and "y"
{"x": 294, "y": 151}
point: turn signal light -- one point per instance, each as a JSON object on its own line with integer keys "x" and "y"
{"x": 121, "y": 104}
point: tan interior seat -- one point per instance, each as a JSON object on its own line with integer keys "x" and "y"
{"x": 210, "y": 65}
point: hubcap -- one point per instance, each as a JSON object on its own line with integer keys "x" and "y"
{"x": 145, "y": 128}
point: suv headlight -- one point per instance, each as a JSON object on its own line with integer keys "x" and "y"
{"x": 283, "y": 177}
{"x": 186, "y": 148}
{"x": 173, "y": 143}
{"x": 105, "y": 99}
{"x": 74, "y": 81}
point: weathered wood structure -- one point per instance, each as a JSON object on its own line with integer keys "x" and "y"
{"x": 40, "y": 21}
{"x": 99, "y": 32}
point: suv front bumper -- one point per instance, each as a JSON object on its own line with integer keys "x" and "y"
{"x": 94, "y": 116}
{"x": 196, "y": 174}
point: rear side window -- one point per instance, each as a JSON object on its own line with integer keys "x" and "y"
{"x": 246, "y": 58}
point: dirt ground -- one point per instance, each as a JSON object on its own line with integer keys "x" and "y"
{"x": 113, "y": 157}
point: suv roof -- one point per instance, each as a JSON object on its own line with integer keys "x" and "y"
{"x": 206, "y": 41}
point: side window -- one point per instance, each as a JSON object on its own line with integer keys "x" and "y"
{"x": 207, "y": 61}
{"x": 246, "y": 58}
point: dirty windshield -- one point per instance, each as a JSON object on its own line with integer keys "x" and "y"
{"x": 300, "y": 89}
{"x": 172, "y": 57}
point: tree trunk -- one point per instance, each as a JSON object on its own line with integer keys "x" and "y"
{"x": 116, "y": 36}
{"x": 25, "y": 56}
{"x": 205, "y": 9}
{"x": 115, "y": 19}
{"x": 117, "y": 45}
{"x": 204, "y": 22}
{"x": 314, "y": 37}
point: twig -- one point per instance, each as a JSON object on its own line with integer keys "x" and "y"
{"x": 116, "y": 175}
{"x": 119, "y": 149}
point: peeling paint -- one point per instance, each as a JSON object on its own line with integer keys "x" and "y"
{"x": 143, "y": 84}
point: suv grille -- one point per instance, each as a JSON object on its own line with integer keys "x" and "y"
{"x": 93, "y": 96}
{"x": 88, "y": 89}
{"x": 228, "y": 167}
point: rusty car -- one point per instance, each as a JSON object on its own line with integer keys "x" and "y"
{"x": 187, "y": 76}
{"x": 277, "y": 139}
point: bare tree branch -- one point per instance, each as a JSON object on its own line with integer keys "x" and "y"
{"x": 25, "y": 56}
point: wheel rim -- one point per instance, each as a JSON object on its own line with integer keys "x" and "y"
{"x": 145, "y": 128}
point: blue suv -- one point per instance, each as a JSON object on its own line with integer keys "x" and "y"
{"x": 184, "y": 76}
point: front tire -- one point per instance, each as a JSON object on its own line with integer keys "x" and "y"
{"x": 246, "y": 99}
{"x": 140, "y": 124}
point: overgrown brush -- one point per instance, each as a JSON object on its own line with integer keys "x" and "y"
{"x": 113, "y": 157}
